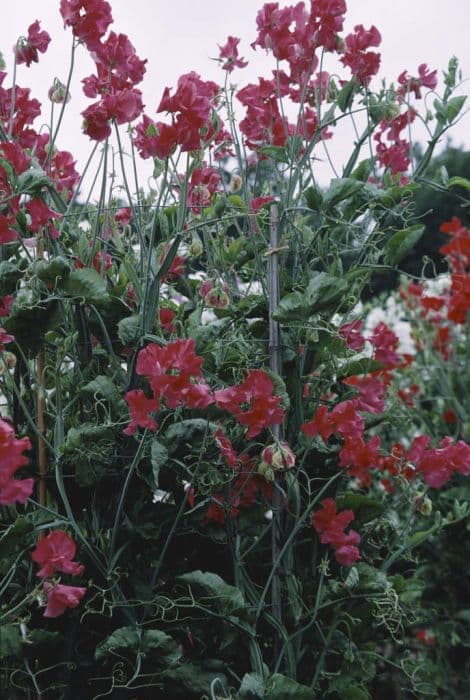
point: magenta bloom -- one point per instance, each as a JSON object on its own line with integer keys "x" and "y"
{"x": 11, "y": 459}
{"x": 55, "y": 553}
{"x": 229, "y": 54}
{"x": 27, "y": 49}
{"x": 60, "y": 597}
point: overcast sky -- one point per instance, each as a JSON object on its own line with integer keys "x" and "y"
{"x": 182, "y": 35}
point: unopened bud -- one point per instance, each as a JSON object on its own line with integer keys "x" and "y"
{"x": 278, "y": 456}
{"x": 423, "y": 505}
{"x": 196, "y": 248}
{"x": 235, "y": 183}
{"x": 58, "y": 93}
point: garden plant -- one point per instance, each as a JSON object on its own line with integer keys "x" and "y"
{"x": 215, "y": 480}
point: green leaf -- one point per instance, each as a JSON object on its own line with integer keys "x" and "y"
{"x": 180, "y": 434}
{"x": 364, "y": 507}
{"x": 158, "y": 457}
{"x": 10, "y": 641}
{"x": 103, "y": 386}
{"x": 363, "y": 365}
{"x": 252, "y": 687}
{"x": 459, "y": 182}
{"x": 341, "y": 189}
{"x": 193, "y": 678}
{"x": 133, "y": 640}
{"x": 130, "y": 330}
{"x": 314, "y": 198}
{"x": 354, "y": 692}
{"x": 14, "y": 535}
{"x": 9, "y": 276}
{"x": 346, "y": 95}
{"x": 51, "y": 270}
{"x": 371, "y": 579}
{"x": 454, "y": 106}
{"x": 323, "y": 291}
{"x": 32, "y": 181}
{"x": 401, "y": 243}
{"x": 86, "y": 284}
{"x": 224, "y": 597}
{"x": 279, "y": 687}
{"x": 277, "y": 153}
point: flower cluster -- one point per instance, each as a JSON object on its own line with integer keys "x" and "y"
{"x": 11, "y": 459}
{"x": 174, "y": 374}
{"x": 191, "y": 110}
{"x": 26, "y": 49}
{"x": 331, "y": 525}
{"x": 55, "y": 553}
{"x": 252, "y": 403}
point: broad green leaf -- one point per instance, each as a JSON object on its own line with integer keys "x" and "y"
{"x": 401, "y": 243}
{"x": 52, "y": 270}
{"x": 459, "y": 182}
{"x": 10, "y": 641}
{"x": 252, "y": 687}
{"x": 29, "y": 323}
{"x": 341, "y": 189}
{"x": 364, "y": 365}
{"x": 14, "y": 535}
{"x": 221, "y": 595}
{"x": 364, "y": 507}
{"x": 103, "y": 386}
{"x": 323, "y": 291}
{"x": 198, "y": 681}
{"x": 279, "y": 687}
{"x": 179, "y": 434}
{"x": 88, "y": 432}
{"x": 132, "y": 639}
{"x": 86, "y": 284}
{"x": 9, "y": 276}
{"x": 277, "y": 153}
{"x": 130, "y": 329}
{"x": 346, "y": 95}
{"x": 158, "y": 457}
{"x": 354, "y": 692}
{"x": 314, "y": 198}
{"x": 454, "y": 107}
{"x": 32, "y": 181}
{"x": 371, "y": 579}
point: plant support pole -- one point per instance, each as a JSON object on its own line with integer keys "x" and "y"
{"x": 275, "y": 365}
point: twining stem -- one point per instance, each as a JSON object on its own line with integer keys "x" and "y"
{"x": 41, "y": 408}
{"x": 275, "y": 364}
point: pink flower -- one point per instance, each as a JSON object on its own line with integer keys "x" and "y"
{"x": 11, "y": 459}
{"x": 352, "y": 334}
{"x": 55, "y": 553}
{"x": 27, "y": 49}
{"x": 140, "y": 407}
{"x": 60, "y": 597}
{"x": 89, "y": 19}
{"x": 330, "y": 525}
{"x": 229, "y": 52}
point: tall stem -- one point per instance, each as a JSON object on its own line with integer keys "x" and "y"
{"x": 275, "y": 364}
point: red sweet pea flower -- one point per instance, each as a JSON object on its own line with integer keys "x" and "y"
{"x": 27, "y": 49}
{"x": 11, "y": 459}
{"x": 7, "y": 232}
{"x": 425, "y": 79}
{"x": 321, "y": 424}
{"x": 60, "y": 597}
{"x": 352, "y": 334}
{"x": 364, "y": 64}
{"x": 55, "y": 553}
{"x": 89, "y": 19}
{"x": 140, "y": 407}
{"x": 252, "y": 403}
{"x": 229, "y": 53}
{"x": 330, "y": 525}
{"x": 371, "y": 391}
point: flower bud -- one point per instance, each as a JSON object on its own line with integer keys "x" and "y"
{"x": 423, "y": 505}
{"x": 58, "y": 93}
{"x": 278, "y": 456}
{"x": 235, "y": 183}
{"x": 196, "y": 248}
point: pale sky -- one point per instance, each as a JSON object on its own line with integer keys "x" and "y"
{"x": 183, "y": 35}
